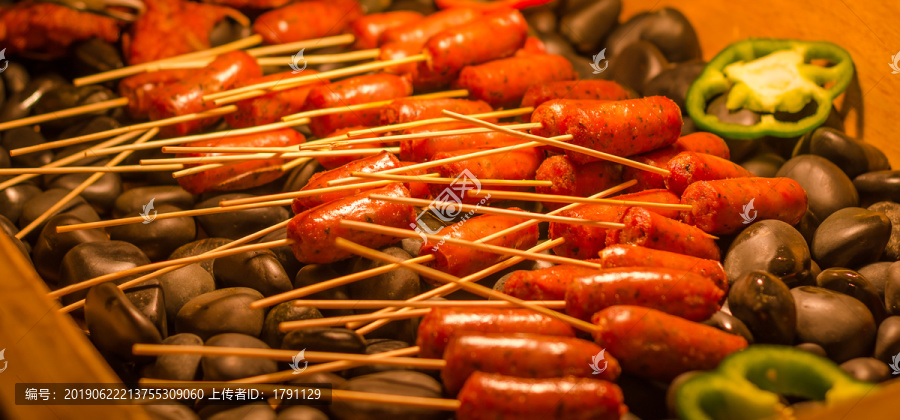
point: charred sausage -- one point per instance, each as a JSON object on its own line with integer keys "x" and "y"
{"x": 638, "y": 256}
{"x": 503, "y": 82}
{"x": 548, "y": 283}
{"x": 652, "y": 230}
{"x": 718, "y": 206}
{"x": 570, "y": 178}
{"x": 688, "y": 167}
{"x": 353, "y": 91}
{"x": 369, "y": 164}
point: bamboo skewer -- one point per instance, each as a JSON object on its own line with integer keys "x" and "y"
{"x": 162, "y": 264}
{"x": 334, "y": 321}
{"x": 156, "y": 273}
{"x": 56, "y": 115}
{"x": 81, "y": 187}
{"x": 525, "y": 196}
{"x": 293, "y": 164}
{"x": 412, "y": 124}
{"x": 381, "y": 304}
{"x": 404, "y": 137}
{"x": 307, "y": 193}
{"x": 562, "y": 145}
{"x": 323, "y": 58}
{"x": 261, "y": 156}
{"x": 163, "y": 216}
{"x": 470, "y": 287}
{"x": 325, "y": 367}
{"x": 328, "y": 41}
{"x": 378, "y": 104}
{"x": 90, "y": 169}
{"x": 418, "y": 178}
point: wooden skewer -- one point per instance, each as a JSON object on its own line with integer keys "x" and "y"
{"x": 324, "y": 367}
{"x": 260, "y": 156}
{"x": 156, "y": 273}
{"x": 293, "y": 47}
{"x": 81, "y": 187}
{"x": 307, "y": 193}
{"x": 294, "y": 163}
{"x": 163, "y": 216}
{"x": 417, "y": 178}
{"x": 331, "y": 322}
{"x": 161, "y": 264}
{"x": 439, "y": 162}
{"x": 566, "y": 146}
{"x": 551, "y": 198}
{"x": 381, "y": 304}
{"x": 404, "y": 137}
{"x": 121, "y": 130}
{"x": 71, "y": 158}
{"x": 406, "y": 233}
{"x": 90, "y": 169}
{"x": 470, "y": 287}
{"x": 412, "y": 124}
{"x": 323, "y": 58}
{"x": 281, "y": 355}
{"x": 378, "y": 104}
{"x": 56, "y": 115}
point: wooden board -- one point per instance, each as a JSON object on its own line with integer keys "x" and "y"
{"x": 869, "y": 30}
{"x": 45, "y": 346}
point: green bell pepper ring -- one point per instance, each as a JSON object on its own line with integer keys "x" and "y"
{"x": 747, "y": 384}
{"x": 769, "y": 75}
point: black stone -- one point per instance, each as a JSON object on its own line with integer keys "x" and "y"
{"x": 375, "y": 346}
{"x": 887, "y": 341}
{"x": 237, "y": 224}
{"x": 808, "y": 225}
{"x": 892, "y": 211}
{"x": 116, "y": 324}
{"x": 21, "y": 102}
{"x": 666, "y": 28}
{"x": 316, "y": 273}
{"x": 51, "y": 247}
{"x": 301, "y": 412}
{"x": 853, "y": 284}
{"x": 284, "y": 253}
{"x": 764, "y": 164}
{"x": 764, "y": 303}
{"x": 892, "y": 290}
{"x": 13, "y": 199}
{"x": 42, "y": 202}
{"x": 20, "y": 137}
{"x": 101, "y": 194}
{"x": 184, "y": 284}
{"x": 339, "y": 340}
{"x": 854, "y": 157}
{"x": 199, "y": 247}
{"x": 221, "y": 311}
{"x": 674, "y": 82}
{"x": 877, "y": 274}
{"x": 398, "y": 382}
{"x": 259, "y": 270}
{"x": 585, "y": 24}
{"x": 135, "y": 199}
{"x": 92, "y": 126}
{"x": 867, "y": 369}
{"x": 93, "y": 259}
{"x": 812, "y": 348}
{"x": 771, "y": 246}
{"x": 878, "y": 186}
{"x": 827, "y": 186}
{"x": 842, "y": 325}
{"x": 636, "y": 65}
{"x": 148, "y": 298}
{"x": 851, "y": 237}
{"x": 178, "y": 367}
{"x": 299, "y": 177}
{"x": 228, "y": 368}
{"x": 283, "y": 312}
{"x": 158, "y": 238}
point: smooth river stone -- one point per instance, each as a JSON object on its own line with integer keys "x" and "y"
{"x": 51, "y": 246}
{"x": 237, "y": 224}
{"x": 42, "y": 202}
{"x": 397, "y": 382}
{"x": 116, "y": 324}
{"x": 198, "y": 247}
{"x": 283, "y": 312}
{"x": 878, "y": 186}
{"x": 764, "y": 303}
{"x": 771, "y": 246}
{"x": 827, "y": 186}
{"x": 854, "y": 157}
{"x": 227, "y": 368}
{"x": 135, "y": 199}
{"x": 851, "y": 237}
{"x": 259, "y": 270}
{"x": 178, "y": 367}
{"x": 93, "y": 259}
{"x": 892, "y": 211}
{"x": 13, "y": 199}
{"x": 842, "y": 325}
{"x": 159, "y": 238}
{"x": 221, "y": 311}
{"x": 184, "y": 284}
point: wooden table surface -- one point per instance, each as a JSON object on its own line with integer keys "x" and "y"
{"x": 868, "y": 29}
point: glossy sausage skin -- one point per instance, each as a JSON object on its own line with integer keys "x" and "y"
{"x": 306, "y": 20}
{"x": 419, "y": 31}
{"x": 185, "y": 96}
{"x": 570, "y": 178}
{"x": 240, "y": 175}
{"x": 423, "y": 79}
{"x": 621, "y": 128}
{"x": 656, "y": 345}
{"x": 603, "y": 90}
{"x": 499, "y": 397}
{"x": 549, "y": 283}
{"x": 688, "y": 167}
{"x": 649, "y": 229}
{"x": 516, "y": 164}
{"x": 416, "y": 109}
{"x": 436, "y": 328}
{"x": 368, "y": 29}
{"x": 695, "y": 142}
{"x": 315, "y": 230}
{"x": 353, "y": 91}
{"x": 677, "y": 292}
{"x": 637, "y": 256}
{"x": 495, "y": 35}
{"x": 502, "y": 83}
{"x": 138, "y": 89}
{"x": 718, "y": 205}
{"x": 369, "y": 164}
{"x": 49, "y": 29}
{"x": 423, "y": 150}
{"x": 585, "y": 242}
{"x": 461, "y": 261}
{"x": 522, "y": 356}
{"x": 271, "y": 107}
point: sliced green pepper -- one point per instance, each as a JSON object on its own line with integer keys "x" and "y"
{"x": 747, "y": 384}
{"x": 766, "y": 76}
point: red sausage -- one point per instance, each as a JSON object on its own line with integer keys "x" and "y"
{"x": 369, "y": 164}
{"x": 652, "y": 230}
{"x": 423, "y": 80}
{"x": 47, "y": 29}
{"x": 498, "y": 397}
{"x": 695, "y": 142}
{"x": 522, "y": 356}
{"x": 416, "y": 109}
{"x": 331, "y": 162}
{"x": 621, "y": 128}
{"x": 138, "y": 89}
{"x": 548, "y": 283}
{"x": 315, "y": 230}
{"x": 239, "y": 176}
{"x": 659, "y": 346}
{"x": 677, "y": 292}
{"x": 495, "y": 35}
{"x": 533, "y": 45}
{"x": 368, "y": 29}
{"x": 353, "y": 91}
{"x": 436, "y": 328}
{"x": 602, "y": 90}
{"x": 423, "y": 150}
{"x": 570, "y": 178}
{"x": 718, "y": 206}
{"x": 461, "y": 261}
{"x": 271, "y": 107}
{"x": 306, "y": 20}
{"x": 688, "y": 167}
{"x": 416, "y": 189}
{"x": 517, "y": 164}
{"x": 502, "y": 83}
{"x": 185, "y": 96}
{"x": 421, "y": 30}
{"x": 585, "y": 242}
{"x": 638, "y": 256}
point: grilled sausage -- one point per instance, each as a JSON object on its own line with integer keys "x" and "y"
{"x": 353, "y": 91}
{"x": 369, "y": 164}
{"x": 306, "y": 20}
{"x": 331, "y": 162}
{"x": 138, "y": 88}
{"x": 549, "y": 283}
{"x": 688, "y": 167}
{"x": 603, "y": 90}
{"x": 423, "y": 150}
{"x": 695, "y": 142}
{"x": 503, "y": 82}
{"x": 271, "y": 107}
{"x": 570, "y": 178}
{"x": 419, "y": 31}
{"x": 638, "y": 256}
{"x": 652, "y": 230}
{"x": 416, "y": 109}
{"x": 516, "y": 164}
{"x": 367, "y": 30}
{"x": 726, "y": 206}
